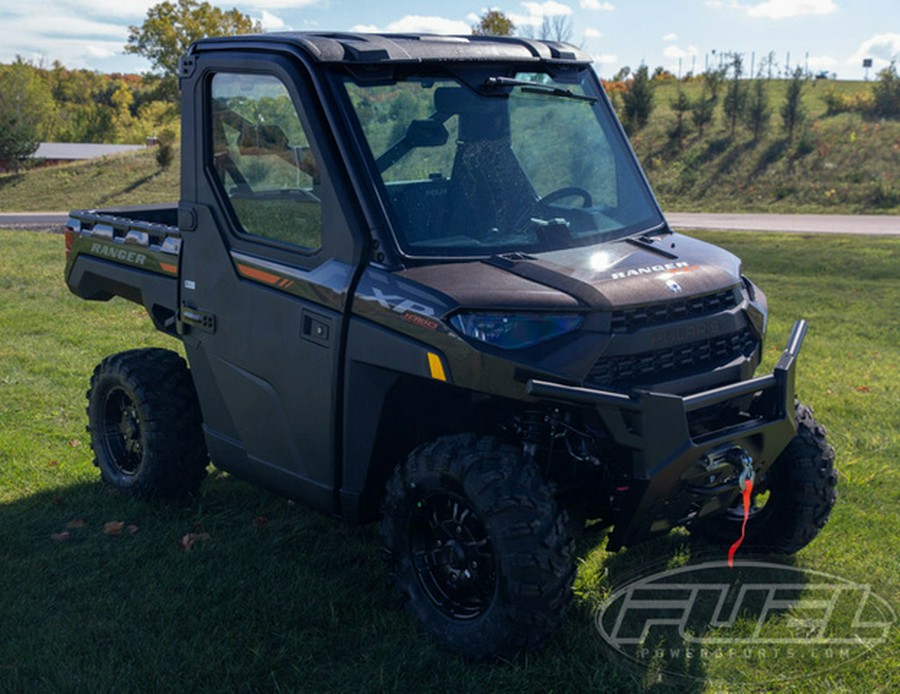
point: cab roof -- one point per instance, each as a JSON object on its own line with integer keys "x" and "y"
{"x": 380, "y": 49}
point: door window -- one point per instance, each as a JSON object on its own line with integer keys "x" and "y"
{"x": 263, "y": 160}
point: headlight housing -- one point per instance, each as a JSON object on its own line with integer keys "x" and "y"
{"x": 757, "y": 307}
{"x": 514, "y": 330}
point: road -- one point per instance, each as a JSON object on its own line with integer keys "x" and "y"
{"x": 876, "y": 225}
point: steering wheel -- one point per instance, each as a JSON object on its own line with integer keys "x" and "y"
{"x": 567, "y": 192}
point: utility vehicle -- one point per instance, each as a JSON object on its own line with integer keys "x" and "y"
{"x": 423, "y": 279}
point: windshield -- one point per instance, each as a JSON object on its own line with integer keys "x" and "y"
{"x": 481, "y": 165}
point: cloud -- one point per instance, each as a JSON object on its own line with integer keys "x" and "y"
{"x": 591, "y": 33}
{"x": 538, "y": 11}
{"x": 597, "y": 5}
{"x": 676, "y": 52}
{"x": 777, "y": 9}
{"x": 419, "y": 24}
{"x": 670, "y": 37}
{"x": 788, "y": 9}
{"x": 605, "y": 58}
{"x": 882, "y": 48}
{"x": 271, "y": 22}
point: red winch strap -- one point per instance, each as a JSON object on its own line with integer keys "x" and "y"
{"x": 747, "y": 491}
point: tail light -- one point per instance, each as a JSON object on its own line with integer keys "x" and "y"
{"x": 70, "y": 239}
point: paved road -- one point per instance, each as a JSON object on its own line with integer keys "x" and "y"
{"x": 52, "y": 221}
{"x": 878, "y": 225}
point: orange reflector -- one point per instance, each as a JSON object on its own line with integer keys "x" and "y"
{"x": 437, "y": 368}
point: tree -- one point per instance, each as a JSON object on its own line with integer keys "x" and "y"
{"x": 26, "y": 106}
{"x": 887, "y": 93}
{"x": 622, "y": 74}
{"x": 792, "y": 113}
{"x": 557, "y": 28}
{"x": 681, "y": 105}
{"x": 170, "y": 28}
{"x": 494, "y": 23}
{"x": 704, "y": 108}
{"x": 735, "y": 102}
{"x": 758, "y": 111}
{"x": 638, "y": 100}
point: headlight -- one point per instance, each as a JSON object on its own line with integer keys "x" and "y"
{"x": 514, "y": 330}
{"x": 757, "y": 307}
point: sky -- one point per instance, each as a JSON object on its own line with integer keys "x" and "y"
{"x": 833, "y": 36}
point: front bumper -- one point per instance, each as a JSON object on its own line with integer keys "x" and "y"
{"x": 668, "y": 454}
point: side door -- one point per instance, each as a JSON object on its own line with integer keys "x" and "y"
{"x": 265, "y": 273}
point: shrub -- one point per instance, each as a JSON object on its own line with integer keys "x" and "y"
{"x": 887, "y": 93}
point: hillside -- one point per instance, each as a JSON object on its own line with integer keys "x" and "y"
{"x": 842, "y": 163}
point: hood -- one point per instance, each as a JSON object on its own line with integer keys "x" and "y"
{"x": 611, "y": 275}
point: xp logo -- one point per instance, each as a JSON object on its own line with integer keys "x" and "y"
{"x": 401, "y": 304}
{"x": 785, "y": 619}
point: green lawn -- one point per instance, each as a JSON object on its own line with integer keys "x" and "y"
{"x": 280, "y": 598}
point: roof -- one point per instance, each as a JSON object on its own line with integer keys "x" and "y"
{"x": 79, "y": 150}
{"x": 349, "y": 48}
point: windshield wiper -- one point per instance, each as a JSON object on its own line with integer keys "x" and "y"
{"x": 536, "y": 88}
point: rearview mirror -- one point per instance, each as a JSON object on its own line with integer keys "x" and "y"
{"x": 426, "y": 133}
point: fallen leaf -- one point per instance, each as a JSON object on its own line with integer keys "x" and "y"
{"x": 60, "y": 537}
{"x": 260, "y": 521}
{"x": 188, "y": 541}
{"x": 132, "y": 529}
{"x": 863, "y": 389}
{"x": 113, "y": 528}
{"x": 53, "y": 463}
{"x": 77, "y": 523}
{"x": 74, "y": 443}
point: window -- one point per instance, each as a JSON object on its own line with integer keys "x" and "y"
{"x": 473, "y": 165}
{"x": 263, "y": 160}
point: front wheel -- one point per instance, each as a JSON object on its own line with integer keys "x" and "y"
{"x": 479, "y": 552}
{"x": 145, "y": 424}
{"x": 793, "y": 504}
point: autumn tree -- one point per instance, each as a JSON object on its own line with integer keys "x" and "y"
{"x": 494, "y": 23}
{"x": 171, "y": 27}
{"x": 26, "y": 105}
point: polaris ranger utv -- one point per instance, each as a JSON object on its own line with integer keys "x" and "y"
{"x": 423, "y": 279}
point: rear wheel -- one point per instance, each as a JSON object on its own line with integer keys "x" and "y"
{"x": 793, "y": 502}
{"x": 145, "y": 424}
{"x": 479, "y": 552}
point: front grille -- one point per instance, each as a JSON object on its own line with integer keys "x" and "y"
{"x": 672, "y": 362}
{"x": 631, "y": 319}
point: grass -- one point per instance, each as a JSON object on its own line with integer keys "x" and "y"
{"x": 838, "y": 164}
{"x": 299, "y": 602}
{"x": 133, "y": 178}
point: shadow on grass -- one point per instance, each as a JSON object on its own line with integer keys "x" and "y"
{"x": 9, "y": 180}
{"x": 130, "y": 188}
{"x": 270, "y": 595}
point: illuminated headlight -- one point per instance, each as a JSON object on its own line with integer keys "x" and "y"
{"x": 514, "y": 330}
